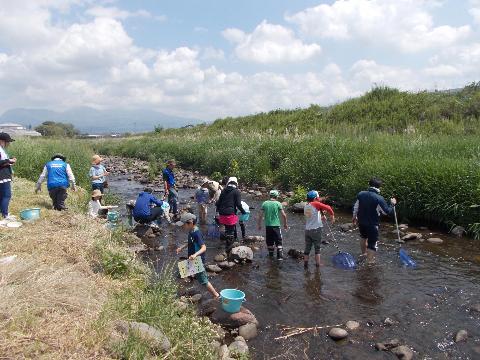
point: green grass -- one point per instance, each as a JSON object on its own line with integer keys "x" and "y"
{"x": 425, "y": 146}
{"x": 33, "y": 154}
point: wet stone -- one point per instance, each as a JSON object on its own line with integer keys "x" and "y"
{"x": 352, "y": 325}
{"x": 458, "y": 231}
{"x": 220, "y": 258}
{"x": 461, "y": 335}
{"x": 347, "y": 227}
{"x": 435, "y": 240}
{"x": 412, "y": 236}
{"x": 402, "y": 352}
{"x": 337, "y": 334}
{"x": 238, "y": 348}
{"x": 248, "y": 331}
{"x": 196, "y": 298}
{"x": 213, "y": 268}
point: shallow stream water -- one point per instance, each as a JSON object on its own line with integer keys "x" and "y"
{"x": 428, "y": 304}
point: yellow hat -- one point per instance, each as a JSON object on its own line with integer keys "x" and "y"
{"x": 97, "y": 193}
{"x": 96, "y": 159}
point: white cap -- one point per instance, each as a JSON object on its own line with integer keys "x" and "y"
{"x": 232, "y": 179}
{"x": 185, "y": 218}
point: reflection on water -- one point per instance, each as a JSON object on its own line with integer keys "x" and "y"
{"x": 367, "y": 285}
{"x": 313, "y": 285}
{"x": 430, "y": 303}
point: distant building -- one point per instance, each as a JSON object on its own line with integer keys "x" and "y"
{"x": 17, "y": 130}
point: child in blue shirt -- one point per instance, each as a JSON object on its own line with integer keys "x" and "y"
{"x": 196, "y": 247}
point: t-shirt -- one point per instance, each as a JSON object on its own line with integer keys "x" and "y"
{"x": 195, "y": 242}
{"x": 94, "y": 207}
{"x": 313, "y": 215}
{"x": 169, "y": 177}
{"x": 202, "y": 196}
{"x": 97, "y": 170}
{"x": 271, "y": 209}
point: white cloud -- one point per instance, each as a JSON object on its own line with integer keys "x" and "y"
{"x": 270, "y": 43}
{"x": 94, "y": 61}
{"x": 403, "y": 24}
{"x": 211, "y": 53}
{"x": 475, "y": 10}
{"x": 116, "y": 13}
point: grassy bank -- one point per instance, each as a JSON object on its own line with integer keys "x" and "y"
{"x": 72, "y": 279}
{"x": 425, "y": 146}
{"x": 32, "y": 154}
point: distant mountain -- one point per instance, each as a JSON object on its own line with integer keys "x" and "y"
{"x": 93, "y": 121}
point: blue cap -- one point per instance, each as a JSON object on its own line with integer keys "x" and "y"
{"x": 312, "y": 194}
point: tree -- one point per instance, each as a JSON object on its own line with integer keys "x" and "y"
{"x": 57, "y": 129}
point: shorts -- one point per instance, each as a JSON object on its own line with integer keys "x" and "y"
{"x": 273, "y": 236}
{"x": 202, "y": 277}
{"x": 98, "y": 186}
{"x": 313, "y": 238}
{"x": 369, "y": 232}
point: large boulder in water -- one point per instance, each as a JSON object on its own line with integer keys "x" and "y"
{"x": 298, "y": 207}
{"x": 214, "y": 310}
{"x": 242, "y": 253}
{"x": 458, "y": 231}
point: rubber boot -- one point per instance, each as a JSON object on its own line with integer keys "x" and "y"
{"x": 229, "y": 240}
{"x": 280, "y": 253}
{"x": 270, "y": 252}
{"x": 243, "y": 228}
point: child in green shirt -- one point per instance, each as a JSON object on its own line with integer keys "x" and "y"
{"x": 271, "y": 211}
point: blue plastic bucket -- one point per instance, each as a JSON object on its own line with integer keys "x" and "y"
{"x": 244, "y": 217}
{"x": 30, "y": 214}
{"x": 232, "y": 300}
{"x": 112, "y": 216}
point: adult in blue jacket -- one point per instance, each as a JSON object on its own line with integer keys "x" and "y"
{"x": 59, "y": 178}
{"x": 368, "y": 208}
{"x": 143, "y": 212}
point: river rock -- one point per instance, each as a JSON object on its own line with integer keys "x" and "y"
{"x": 238, "y": 348}
{"x": 248, "y": 331}
{"x": 458, "y": 231}
{"x": 435, "y": 240}
{"x": 223, "y": 352}
{"x": 182, "y": 306}
{"x": 387, "y": 345}
{"x": 157, "y": 340}
{"x": 196, "y": 298}
{"x": 461, "y": 335}
{"x": 228, "y": 320}
{"x": 253, "y": 239}
{"x": 475, "y": 308}
{"x": 389, "y": 322}
{"x": 402, "y": 352}
{"x": 403, "y": 227}
{"x": 352, "y": 325}
{"x": 213, "y": 268}
{"x": 142, "y": 231}
{"x": 242, "y": 253}
{"x": 337, "y": 333}
{"x": 226, "y": 264}
{"x": 216, "y": 345}
{"x": 296, "y": 254}
{"x": 298, "y": 207}
{"x": 347, "y": 227}
{"x": 258, "y": 194}
{"x": 412, "y": 236}
{"x": 220, "y": 257}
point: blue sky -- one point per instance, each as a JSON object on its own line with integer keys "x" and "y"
{"x": 210, "y": 59}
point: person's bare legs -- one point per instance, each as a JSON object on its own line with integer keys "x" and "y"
{"x": 363, "y": 246}
{"x": 318, "y": 262}
{"x": 305, "y": 261}
{"x": 212, "y": 290}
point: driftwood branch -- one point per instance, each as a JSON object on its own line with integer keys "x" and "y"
{"x": 289, "y": 331}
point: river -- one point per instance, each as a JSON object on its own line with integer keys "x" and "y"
{"x": 428, "y": 305}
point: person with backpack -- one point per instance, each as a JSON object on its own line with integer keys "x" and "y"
{"x": 368, "y": 208}
{"x": 59, "y": 178}
{"x": 227, "y": 205}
